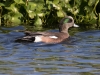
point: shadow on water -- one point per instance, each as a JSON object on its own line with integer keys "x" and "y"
{"x": 79, "y": 56}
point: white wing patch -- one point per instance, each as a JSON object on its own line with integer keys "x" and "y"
{"x": 54, "y": 37}
{"x": 38, "y": 39}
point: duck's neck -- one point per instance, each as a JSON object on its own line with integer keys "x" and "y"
{"x": 64, "y": 30}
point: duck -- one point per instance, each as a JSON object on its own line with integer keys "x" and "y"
{"x": 50, "y": 37}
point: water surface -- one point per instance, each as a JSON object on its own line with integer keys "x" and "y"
{"x": 80, "y": 57}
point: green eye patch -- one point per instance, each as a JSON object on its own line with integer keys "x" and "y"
{"x": 66, "y": 20}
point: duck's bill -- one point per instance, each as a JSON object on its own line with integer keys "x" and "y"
{"x": 76, "y": 25}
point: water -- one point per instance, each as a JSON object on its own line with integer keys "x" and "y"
{"x": 80, "y": 57}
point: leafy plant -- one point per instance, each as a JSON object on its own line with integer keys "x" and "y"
{"x": 46, "y": 13}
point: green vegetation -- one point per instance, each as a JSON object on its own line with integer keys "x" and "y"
{"x": 47, "y": 13}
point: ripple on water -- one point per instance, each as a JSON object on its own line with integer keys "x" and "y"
{"x": 82, "y": 57}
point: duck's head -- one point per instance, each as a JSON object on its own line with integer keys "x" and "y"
{"x": 66, "y": 23}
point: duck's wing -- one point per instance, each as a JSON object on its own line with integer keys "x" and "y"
{"x": 33, "y": 34}
{"x": 30, "y": 36}
{"x": 28, "y": 33}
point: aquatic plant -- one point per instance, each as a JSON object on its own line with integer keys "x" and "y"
{"x": 47, "y": 13}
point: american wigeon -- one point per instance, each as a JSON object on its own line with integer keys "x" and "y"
{"x": 50, "y": 37}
